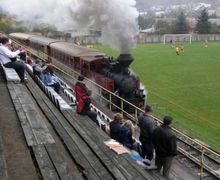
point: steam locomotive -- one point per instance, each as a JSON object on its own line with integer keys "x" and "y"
{"x": 113, "y": 75}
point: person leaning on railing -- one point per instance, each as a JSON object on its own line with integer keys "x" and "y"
{"x": 9, "y": 58}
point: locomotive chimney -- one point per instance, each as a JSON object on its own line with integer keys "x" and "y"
{"x": 125, "y": 60}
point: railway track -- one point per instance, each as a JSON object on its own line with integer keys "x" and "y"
{"x": 205, "y": 159}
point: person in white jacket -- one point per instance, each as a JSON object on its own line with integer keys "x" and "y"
{"x": 8, "y": 58}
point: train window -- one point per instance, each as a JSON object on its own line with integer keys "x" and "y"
{"x": 92, "y": 66}
{"x": 68, "y": 60}
{"x": 71, "y": 62}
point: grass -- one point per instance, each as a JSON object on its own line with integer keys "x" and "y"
{"x": 187, "y": 86}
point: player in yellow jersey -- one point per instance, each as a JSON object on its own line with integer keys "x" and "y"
{"x": 177, "y": 50}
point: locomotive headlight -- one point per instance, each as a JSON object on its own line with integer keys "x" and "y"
{"x": 140, "y": 93}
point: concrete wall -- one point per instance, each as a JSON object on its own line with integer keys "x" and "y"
{"x": 149, "y": 38}
{"x": 143, "y": 38}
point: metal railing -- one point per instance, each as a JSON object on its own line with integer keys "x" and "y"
{"x": 134, "y": 117}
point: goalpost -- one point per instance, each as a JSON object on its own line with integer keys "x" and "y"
{"x": 177, "y": 38}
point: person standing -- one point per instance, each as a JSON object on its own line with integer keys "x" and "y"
{"x": 147, "y": 124}
{"x": 177, "y": 50}
{"x": 8, "y": 58}
{"x": 165, "y": 145}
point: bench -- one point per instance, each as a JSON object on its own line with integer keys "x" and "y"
{"x": 35, "y": 129}
{"x": 49, "y": 159}
{"x": 11, "y": 75}
{"x": 3, "y": 168}
{"x": 53, "y": 95}
{"x": 51, "y": 163}
{"x": 71, "y": 97}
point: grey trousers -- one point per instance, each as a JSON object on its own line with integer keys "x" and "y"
{"x": 166, "y": 163}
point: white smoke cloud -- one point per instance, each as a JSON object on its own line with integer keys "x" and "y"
{"x": 116, "y": 18}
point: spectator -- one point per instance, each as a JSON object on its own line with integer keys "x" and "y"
{"x": 164, "y": 142}
{"x": 115, "y": 127}
{"x": 45, "y": 64}
{"x": 8, "y": 58}
{"x": 83, "y": 100}
{"x": 29, "y": 61}
{"x": 37, "y": 70}
{"x": 147, "y": 125}
{"x": 127, "y": 136}
{"x": 48, "y": 80}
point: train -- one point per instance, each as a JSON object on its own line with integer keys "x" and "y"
{"x": 112, "y": 74}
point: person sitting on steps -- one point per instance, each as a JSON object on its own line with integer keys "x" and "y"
{"x": 83, "y": 100}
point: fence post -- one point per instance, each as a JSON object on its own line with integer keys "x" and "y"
{"x": 202, "y": 162}
{"x": 136, "y": 116}
{"x": 110, "y": 102}
{"x": 122, "y": 108}
{"x": 100, "y": 95}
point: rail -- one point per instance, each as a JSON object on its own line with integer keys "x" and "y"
{"x": 134, "y": 117}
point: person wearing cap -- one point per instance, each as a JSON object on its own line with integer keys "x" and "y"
{"x": 147, "y": 124}
{"x": 165, "y": 145}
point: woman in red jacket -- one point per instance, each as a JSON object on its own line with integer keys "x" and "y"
{"x": 83, "y": 100}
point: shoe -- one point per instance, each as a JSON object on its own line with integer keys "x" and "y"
{"x": 147, "y": 162}
{"x": 25, "y": 81}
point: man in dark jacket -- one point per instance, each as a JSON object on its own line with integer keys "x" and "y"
{"x": 147, "y": 124}
{"x": 164, "y": 141}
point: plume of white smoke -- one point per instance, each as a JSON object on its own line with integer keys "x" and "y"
{"x": 116, "y": 18}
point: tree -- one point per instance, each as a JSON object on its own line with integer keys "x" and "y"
{"x": 180, "y": 26}
{"x": 215, "y": 29}
{"x": 142, "y": 22}
{"x": 203, "y": 25}
{"x": 146, "y": 21}
{"x": 164, "y": 27}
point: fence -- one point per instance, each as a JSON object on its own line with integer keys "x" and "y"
{"x": 143, "y": 38}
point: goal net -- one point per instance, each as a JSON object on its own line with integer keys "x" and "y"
{"x": 168, "y": 38}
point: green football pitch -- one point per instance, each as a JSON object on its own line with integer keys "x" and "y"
{"x": 187, "y": 86}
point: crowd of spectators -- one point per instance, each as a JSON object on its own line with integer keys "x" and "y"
{"x": 157, "y": 143}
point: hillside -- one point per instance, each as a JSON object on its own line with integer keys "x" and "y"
{"x": 144, "y": 5}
